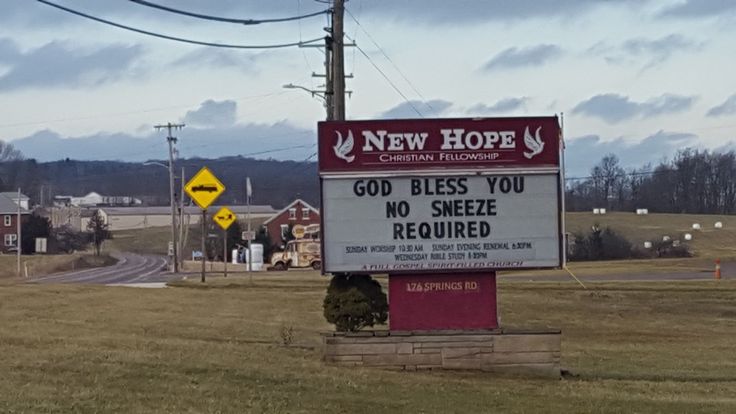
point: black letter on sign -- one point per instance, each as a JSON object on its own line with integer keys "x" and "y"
{"x": 392, "y": 209}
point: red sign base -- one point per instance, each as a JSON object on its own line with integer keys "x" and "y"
{"x": 442, "y": 301}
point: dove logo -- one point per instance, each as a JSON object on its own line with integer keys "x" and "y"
{"x": 343, "y": 148}
{"x": 533, "y": 143}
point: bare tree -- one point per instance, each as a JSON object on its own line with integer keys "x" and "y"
{"x": 9, "y": 153}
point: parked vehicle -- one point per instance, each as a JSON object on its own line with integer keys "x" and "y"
{"x": 300, "y": 253}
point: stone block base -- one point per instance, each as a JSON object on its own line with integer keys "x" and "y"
{"x": 535, "y": 353}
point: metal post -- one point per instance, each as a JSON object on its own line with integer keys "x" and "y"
{"x": 248, "y": 192}
{"x": 18, "y": 237}
{"x": 224, "y": 243}
{"x": 181, "y": 220}
{"x": 204, "y": 235}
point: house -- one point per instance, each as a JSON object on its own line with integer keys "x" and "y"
{"x": 298, "y": 212}
{"x": 128, "y": 218}
{"x": 13, "y": 196}
{"x": 9, "y": 221}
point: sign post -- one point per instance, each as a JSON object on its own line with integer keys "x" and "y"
{"x": 224, "y": 218}
{"x": 204, "y": 188}
{"x": 441, "y": 205}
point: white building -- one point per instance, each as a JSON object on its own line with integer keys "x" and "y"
{"x": 13, "y": 196}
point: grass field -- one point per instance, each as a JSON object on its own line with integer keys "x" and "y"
{"x": 633, "y": 347}
{"x": 708, "y": 242}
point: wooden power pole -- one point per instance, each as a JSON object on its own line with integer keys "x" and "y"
{"x": 338, "y": 61}
{"x": 172, "y": 140}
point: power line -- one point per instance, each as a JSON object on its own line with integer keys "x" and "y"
{"x": 393, "y": 85}
{"x": 226, "y": 19}
{"x": 177, "y": 39}
{"x": 383, "y": 52}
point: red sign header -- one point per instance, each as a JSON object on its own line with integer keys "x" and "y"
{"x": 421, "y": 144}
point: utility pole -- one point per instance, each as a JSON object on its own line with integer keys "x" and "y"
{"x": 172, "y": 140}
{"x": 329, "y": 87}
{"x": 338, "y": 61}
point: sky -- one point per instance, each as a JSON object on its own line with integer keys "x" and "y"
{"x": 638, "y": 78}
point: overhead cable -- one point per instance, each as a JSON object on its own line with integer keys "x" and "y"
{"x": 424, "y": 100}
{"x": 393, "y": 85}
{"x": 178, "y": 39}
{"x": 226, "y": 19}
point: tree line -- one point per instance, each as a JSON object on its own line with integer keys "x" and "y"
{"x": 275, "y": 183}
{"x": 694, "y": 182}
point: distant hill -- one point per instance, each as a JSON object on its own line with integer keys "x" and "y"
{"x": 274, "y": 182}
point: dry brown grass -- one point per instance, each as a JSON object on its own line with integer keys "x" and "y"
{"x": 708, "y": 242}
{"x": 635, "y": 347}
{"x": 39, "y": 265}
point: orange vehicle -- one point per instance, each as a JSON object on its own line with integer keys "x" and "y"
{"x": 300, "y": 253}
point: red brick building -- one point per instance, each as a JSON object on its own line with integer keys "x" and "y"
{"x": 298, "y": 212}
{"x": 9, "y": 223}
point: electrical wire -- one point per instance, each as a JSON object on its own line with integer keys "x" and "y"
{"x": 393, "y": 85}
{"x": 226, "y": 19}
{"x": 177, "y": 39}
{"x": 396, "y": 67}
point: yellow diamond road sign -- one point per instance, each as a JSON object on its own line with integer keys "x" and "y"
{"x": 204, "y": 188}
{"x": 225, "y": 218}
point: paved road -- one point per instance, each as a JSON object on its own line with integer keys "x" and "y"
{"x": 130, "y": 268}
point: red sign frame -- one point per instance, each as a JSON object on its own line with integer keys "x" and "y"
{"x": 438, "y": 144}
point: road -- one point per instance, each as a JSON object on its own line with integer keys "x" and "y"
{"x": 131, "y": 268}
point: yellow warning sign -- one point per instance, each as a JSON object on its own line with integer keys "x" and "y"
{"x": 225, "y": 218}
{"x": 204, "y": 188}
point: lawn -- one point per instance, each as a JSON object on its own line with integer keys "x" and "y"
{"x": 217, "y": 347}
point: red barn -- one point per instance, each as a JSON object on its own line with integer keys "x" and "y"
{"x": 298, "y": 212}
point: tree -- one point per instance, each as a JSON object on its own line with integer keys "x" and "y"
{"x": 33, "y": 228}
{"x": 9, "y": 153}
{"x": 67, "y": 240}
{"x": 263, "y": 239}
{"x": 98, "y": 230}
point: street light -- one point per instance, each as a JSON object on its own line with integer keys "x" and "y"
{"x": 312, "y": 92}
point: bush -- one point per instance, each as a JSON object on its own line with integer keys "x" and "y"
{"x": 67, "y": 240}
{"x": 600, "y": 244}
{"x": 354, "y": 302}
{"x": 669, "y": 249}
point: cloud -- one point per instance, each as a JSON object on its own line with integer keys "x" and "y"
{"x": 218, "y": 58}
{"x": 517, "y": 58}
{"x": 9, "y": 51}
{"x": 56, "y": 64}
{"x": 653, "y": 51}
{"x": 500, "y": 107}
{"x": 406, "y": 110}
{"x": 213, "y": 114}
{"x": 726, "y": 108}
{"x": 450, "y": 12}
{"x": 614, "y": 108}
{"x": 279, "y": 140}
{"x": 694, "y": 9}
{"x": 582, "y": 153}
